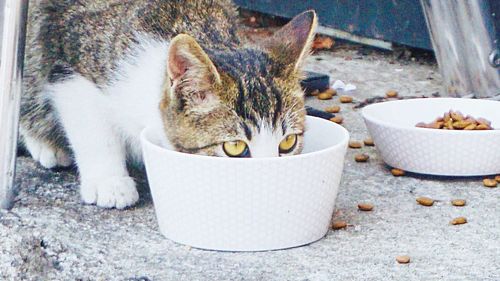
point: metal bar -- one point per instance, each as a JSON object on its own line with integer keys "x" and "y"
{"x": 14, "y": 13}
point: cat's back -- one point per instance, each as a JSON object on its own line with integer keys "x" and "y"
{"x": 91, "y": 36}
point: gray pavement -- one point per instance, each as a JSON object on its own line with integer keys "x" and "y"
{"x": 49, "y": 235}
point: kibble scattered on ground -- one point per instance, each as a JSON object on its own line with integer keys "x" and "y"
{"x": 403, "y": 259}
{"x": 490, "y": 183}
{"x": 365, "y": 207}
{"x": 339, "y": 225}
{"x": 459, "y": 220}
{"x": 355, "y": 144}
{"x": 458, "y": 202}
{"x": 362, "y": 157}
{"x": 397, "y": 172}
{"x": 425, "y": 201}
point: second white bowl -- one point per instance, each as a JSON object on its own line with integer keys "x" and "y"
{"x": 432, "y": 151}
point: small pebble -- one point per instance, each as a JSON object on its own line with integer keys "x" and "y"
{"x": 365, "y": 207}
{"x": 369, "y": 142}
{"x": 355, "y": 144}
{"x": 345, "y": 99}
{"x": 403, "y": 259}
{"x": 391, "y": 94}
{"x": 361, "y": 157}
{"x": 333, "y": 109}
{"x": 397, "y": 172}
{"x": 337, "y": 119}
{"x": 459, "y": 220}
{"x": 339, "y": 225}
{"x": 425, "y": 201}
{"x": 458, "y": 202}
{"x": 325, "y": 96}
{"x": 490, "y": 183}
{"x": 497, "y": 178}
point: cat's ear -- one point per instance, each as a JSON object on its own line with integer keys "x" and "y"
{"x": 291, "y": 44}
{"x": 187, "y": 60}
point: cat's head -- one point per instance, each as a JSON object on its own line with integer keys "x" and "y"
{"x": 244, "y": 102}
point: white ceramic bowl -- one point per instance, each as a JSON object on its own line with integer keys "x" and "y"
{"x": 431, "y": 151}
{"x": 248, "y": 204}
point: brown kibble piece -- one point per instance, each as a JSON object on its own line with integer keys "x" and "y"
{"x": 345, "y": 99}
{"x": 403, "y": 259}
{"x": 369, "y": 142}
{"x": 355, "y": 144}
{"x": 365, "y": 207}
{"x": 337, "y": 119}
{"x": 361, "y": 157}
{"x": 482, "y": 127}
{"x": 397, "y": 172}
{"x": 458, "y": 202}
{"x": 490, "y": 182}
{"x": 325, "y": 96}
{"x": 391, "y": 93}
{"x": 333, "y": 109}
{"x": 497, "y": 178}
{"x": 425, "y": 201}
{"x": 459, "y": 220}
{"x": 456, "y": 115}
{"x": 339, "y": 225}
{"x": 470, "y": 127}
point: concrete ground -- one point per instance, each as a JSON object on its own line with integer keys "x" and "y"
{"x": 49, "y": 235}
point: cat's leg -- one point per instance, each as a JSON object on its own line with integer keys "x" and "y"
{"x": 47, "y": 154}
{"x": 98, "y": 148}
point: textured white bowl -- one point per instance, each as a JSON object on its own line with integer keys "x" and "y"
{"x": 249, "y": 204}
{"x": 430, "y": 151}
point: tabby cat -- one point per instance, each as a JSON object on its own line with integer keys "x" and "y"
{"x": 97, "y": 72}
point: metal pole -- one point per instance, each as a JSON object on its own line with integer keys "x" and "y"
{"x": 14, "y": 13}
{"x": 463, "y": 39}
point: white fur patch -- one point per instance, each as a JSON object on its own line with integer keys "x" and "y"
{"x": 102, "y": 123}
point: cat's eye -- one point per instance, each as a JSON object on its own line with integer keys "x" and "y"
{"x": 236, "y": 149}
{"x": 288, "y": 143}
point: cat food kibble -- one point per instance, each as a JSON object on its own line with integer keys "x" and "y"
{"x": 369, "y": 142}
{"x": 366, "y": 207}
{"x": 345, "y": 99}
{"x": 333, "y": 109}
{"x": 325, "y": 95}
{"x": 458, "y": 202}
{"x": 403, "y": 259}
{"x": 355, "y": 144}
{"x": 490, "y": 183}
{"x": 459, "y": 220}
{"x": 339, "y": 225}
{"x": 455, "y": 120}
{"x": 425, "y": 201}
{"x": 361, "y": 157}
{"x": 337, "y": 119}
{"x": 397, "y": 172}
{"x": 391, "y": 94}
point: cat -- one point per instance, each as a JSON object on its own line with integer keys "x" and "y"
{"x": 97, "y": 72}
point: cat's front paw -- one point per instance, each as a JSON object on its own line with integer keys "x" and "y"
{"x": 112, "y": 192}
